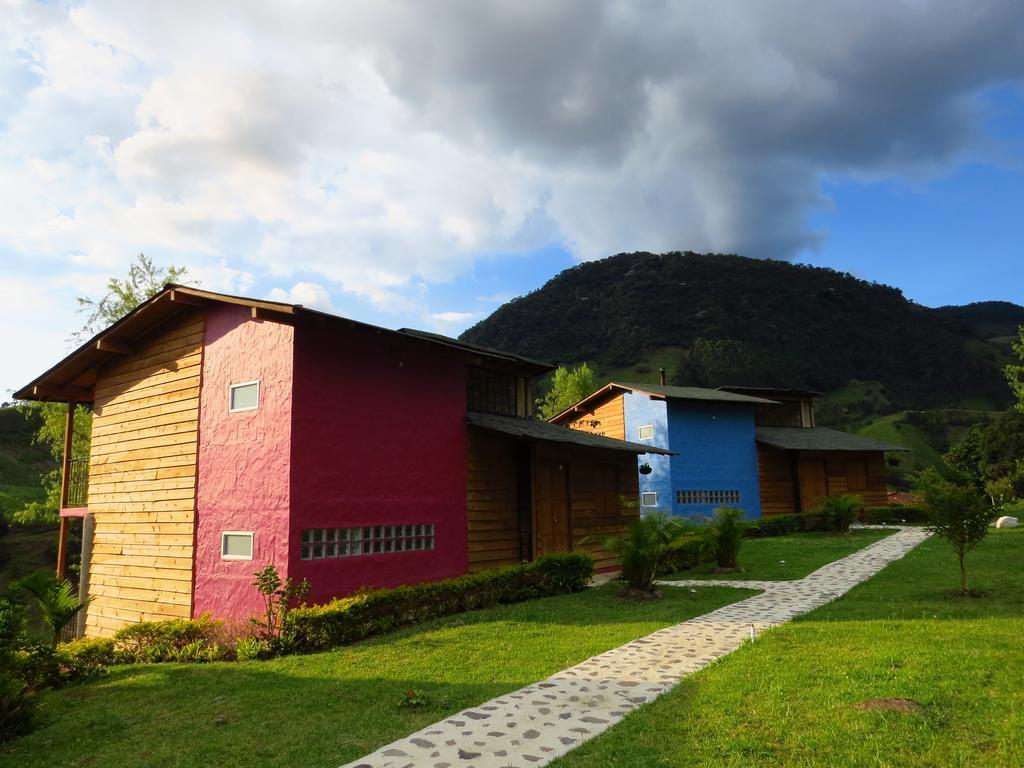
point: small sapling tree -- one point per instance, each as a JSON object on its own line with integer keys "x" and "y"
{"x": 959, "y": 513}
{"x": 279, "y": 597}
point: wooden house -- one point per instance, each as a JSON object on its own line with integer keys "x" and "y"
{"x": 755, "y": 449}
{"x": 229, "y": 433}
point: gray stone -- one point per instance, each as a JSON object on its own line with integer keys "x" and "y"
{"x": 1007, "y": 522}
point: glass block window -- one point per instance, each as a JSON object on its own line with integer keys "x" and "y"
{"x": 490, "y": 391}
{"x": 244, "y": 397}
{"x": 707, "y": 497}
{"x": 648, "y": 499}
{"x": 646, "y": 432}
{"x": 326, "y": 543}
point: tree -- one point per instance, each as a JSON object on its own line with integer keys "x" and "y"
{"x": 144, "y": 280}
{"x": 991, "y": 456}
{"x": 568, "y": 387}
{"x": 1015, "y": 371}
{"x": 959, "y": 513}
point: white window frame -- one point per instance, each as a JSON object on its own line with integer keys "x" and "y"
{"x": 640, "y": 432}
{"x": 643, "y": 502}
{"x": 231, "y": 391}
{"x": 252, "y": 545}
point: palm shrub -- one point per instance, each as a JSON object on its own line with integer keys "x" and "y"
{"x": 724, "y": 536}
{"x": 840, "y": 509}
{"x": 56, "y": 598}
{"x": 644, "y": 547}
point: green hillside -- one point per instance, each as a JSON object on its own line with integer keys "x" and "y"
{"x": 718, "y": 319}
{"x": 22, "y": 462}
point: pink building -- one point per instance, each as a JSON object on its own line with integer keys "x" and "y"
{"x": 229, "y": 433}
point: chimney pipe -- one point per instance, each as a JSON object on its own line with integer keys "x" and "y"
{"x": 661, "y": 376}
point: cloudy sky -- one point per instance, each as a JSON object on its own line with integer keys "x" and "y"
{"x": 418, "y": 163}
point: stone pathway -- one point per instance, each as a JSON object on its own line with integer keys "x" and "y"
{"x": 536, "y": 724}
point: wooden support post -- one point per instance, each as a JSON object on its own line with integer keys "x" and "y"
{"x": 65, "y": 484}
{"x": 62, "y": 548}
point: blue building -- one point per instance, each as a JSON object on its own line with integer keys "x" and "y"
{"x": 755, "y": 449}
{"x": 711, "y": 432}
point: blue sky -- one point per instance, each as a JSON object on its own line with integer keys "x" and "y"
{"x": 414, "y": 164}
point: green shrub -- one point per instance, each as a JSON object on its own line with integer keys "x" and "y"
{"x": 347, "y": 619}
{"x": 688, "y": 553}
{"x": 169, "y": 640}
{"x": 893, "y": 515}
{"x": 252, "y": 648}
{"x": 725, "y": 533}
{"x": 645, "y": 545}
{"x": 26, "y": 666}
{"x": 783, "y": 525}
{"x": 87, "y": 657}
{"x": 840, "y": 509}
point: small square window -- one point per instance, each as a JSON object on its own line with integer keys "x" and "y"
{"x": 236, "y": 545}
{"x": 646, "y": 432}
{"x": 648, "y": 499}
{"x": 245, "y": 396}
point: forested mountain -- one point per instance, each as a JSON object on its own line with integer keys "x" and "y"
{"x": 717, "y": 319}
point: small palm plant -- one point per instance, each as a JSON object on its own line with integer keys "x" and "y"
{"x": 56, "y": 598}
{"x": 724, "y": 537}
{"x": 643, "y": 549}
{"x": 840, "y": 509}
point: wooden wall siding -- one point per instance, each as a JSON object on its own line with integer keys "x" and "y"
{"x": 607, "y": 419}
{"x": 863, "y": 474}
{"x": 599, "y": 482}
{"x": 775, "y": 474}
{"x": 142, "y": 480}
{"x": 492, "y": 500}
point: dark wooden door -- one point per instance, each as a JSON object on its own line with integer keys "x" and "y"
{"x": 551, "y": 500}
{"x": 813, "y": 482}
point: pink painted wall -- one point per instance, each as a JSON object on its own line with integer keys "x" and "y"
{"x": 378, "y": 439}
{"x": 244, "y": 458}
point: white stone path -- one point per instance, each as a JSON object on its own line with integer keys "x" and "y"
{"x": 536, "y": 724}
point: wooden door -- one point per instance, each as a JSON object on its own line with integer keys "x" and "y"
{"x": 813, "y": 482}
{"x": 551, "y": 502}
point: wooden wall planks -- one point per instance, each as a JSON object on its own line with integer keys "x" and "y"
{"x": 142, "y": 478}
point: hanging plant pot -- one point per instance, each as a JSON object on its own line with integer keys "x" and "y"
{"x": 645, "y": 469}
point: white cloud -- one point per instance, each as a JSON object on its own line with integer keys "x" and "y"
{"x": 310, "y": 295}
{"x": 374, "y": 146}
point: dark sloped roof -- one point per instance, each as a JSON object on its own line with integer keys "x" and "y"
{"x": 532, "y": 429}
{"x": 820, "y": 439}
{"x": 772, "y": 391}
{"x": 539, "y": 365}
{"x": 699, "y": 394}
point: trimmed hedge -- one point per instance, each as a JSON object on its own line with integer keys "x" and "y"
{"x": 782, "y": 525}
{"x": 692, "y": 552}
{"x": 894, "y": 515}
{"x": 348, "y": 619}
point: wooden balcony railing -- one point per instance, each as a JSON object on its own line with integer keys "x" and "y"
{"x": 78, "y": 482}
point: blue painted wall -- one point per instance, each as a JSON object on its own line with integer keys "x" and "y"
{"x": 717, "y": 451}
{"x": 716, "y": 447}
{"x": 640, "y": 410}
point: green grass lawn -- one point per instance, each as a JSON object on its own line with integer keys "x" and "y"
{"x": 329, "y": 708}
{"x": 781, "y": 558}
{"x": 787, "y": 699}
